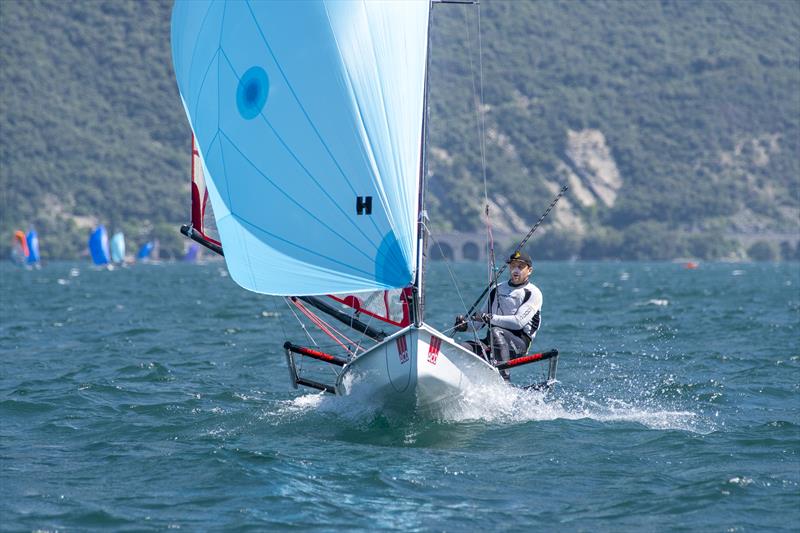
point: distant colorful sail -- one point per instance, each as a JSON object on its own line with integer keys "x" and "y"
{"x": 19, "y": 248}
{"x": 98, "y": 246}
{"x": 118, "y": 247}
{"x": 308, "y": 117}
{"x": 146, "y": 251}
{"x": 191, "y": 253}
{"x": 33, "y": 247}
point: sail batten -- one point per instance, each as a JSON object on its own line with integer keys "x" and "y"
{"x": 308, "y": 119}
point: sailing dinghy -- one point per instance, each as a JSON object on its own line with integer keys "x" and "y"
{"x": 118, "y": 248}
{"x": 309, "y": 140}
{"x": 98, "y": 246}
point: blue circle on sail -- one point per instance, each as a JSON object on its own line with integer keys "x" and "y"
{"x": 251, "y": 95}
{"x": 391, "y": 267}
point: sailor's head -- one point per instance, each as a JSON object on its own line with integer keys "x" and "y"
{"x": 520, "y": 267}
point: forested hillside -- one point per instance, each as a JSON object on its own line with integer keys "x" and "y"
{"x": 676, "y": 124}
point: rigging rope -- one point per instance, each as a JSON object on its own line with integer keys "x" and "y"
{"x": 323, "y": 326}
{"x": 480, "y": 125}
{"x": 480, "y": 119}
{"x": 455, "y": 283}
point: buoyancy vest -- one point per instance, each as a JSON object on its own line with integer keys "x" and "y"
{"x": 517, "y": 308}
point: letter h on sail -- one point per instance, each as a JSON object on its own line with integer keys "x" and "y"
{"x": 364, "y": 205}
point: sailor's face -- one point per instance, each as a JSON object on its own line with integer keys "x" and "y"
{"x": 520, "y": 272}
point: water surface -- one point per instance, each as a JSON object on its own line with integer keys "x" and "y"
{"x": 157, "y": 397}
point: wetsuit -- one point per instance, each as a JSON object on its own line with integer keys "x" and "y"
{"x": 516, "y": 312}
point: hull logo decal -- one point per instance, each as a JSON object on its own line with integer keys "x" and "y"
{"x": 433, "y": 349}
{"x": 402, "y": 350}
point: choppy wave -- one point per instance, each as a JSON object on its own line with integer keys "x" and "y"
{"x": 159, "y": 396}
{"x": 509, "y": 405}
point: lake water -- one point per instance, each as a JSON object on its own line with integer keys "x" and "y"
{"x": 156, "y": 397}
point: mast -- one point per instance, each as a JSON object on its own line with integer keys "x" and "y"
{"x": 417, "y": 306}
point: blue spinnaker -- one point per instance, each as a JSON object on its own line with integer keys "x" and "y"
{"x": 191, "y": 253}
{"x": 33, "y": 247}
{"x": 98, "y": 246}
{"x": 118, "y": 247}
{"x": 308, "y": 117}
{"x": 145, "y": 251}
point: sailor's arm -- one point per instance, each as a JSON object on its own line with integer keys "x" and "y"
{"x": 475, "y": 321}
{"x": 463, "y": 323}
{"x": 523, "y": 315}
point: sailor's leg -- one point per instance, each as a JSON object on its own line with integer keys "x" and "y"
{"x": 501, "y": 348}
{"x": 519, "y": 346}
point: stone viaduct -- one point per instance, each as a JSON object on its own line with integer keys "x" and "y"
{"x": 456, "y": 246}
{"x": 466, "y": 246}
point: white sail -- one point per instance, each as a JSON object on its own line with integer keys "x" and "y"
{"x": 118, "y": 247}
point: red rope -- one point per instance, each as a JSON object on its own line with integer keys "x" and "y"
{"x": 323, "y": 326}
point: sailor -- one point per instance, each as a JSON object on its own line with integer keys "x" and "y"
{"x": 512, "y": 312}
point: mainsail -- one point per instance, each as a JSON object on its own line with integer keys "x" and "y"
{"x": 200, "y": 197}
{"x": 309, "y": 119}
{"x": 390, "y": 306}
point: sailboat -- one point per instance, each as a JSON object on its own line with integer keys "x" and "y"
{"x": 19, "y": 249}
{"x": 192, "y": 253}
{"x": 309, "y": 135}
{"x": 34, "y": 259}
{"x": 118, "y": 248}
{"x": 146, "y": 251}
{"x": 98, "y": 246}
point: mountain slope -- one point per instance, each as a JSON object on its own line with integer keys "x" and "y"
{"x": 675, "y": 123}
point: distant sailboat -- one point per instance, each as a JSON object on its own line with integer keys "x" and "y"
{"x": 146, "y": 251}
{"x": 34, "y": 259}
{"x": 192, "y": 253}
{"x": 19, "y": 248}
{"x": 98, "y": 246}
{"x": 309, "y": 120}
{"x": 118, "y": 248}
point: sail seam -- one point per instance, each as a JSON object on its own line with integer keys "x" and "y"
{"x": 310, "y": 175}
{"x": 288, "y": 197}
{"x": 368, "y": 148}
{"x": 376, "y": 286}
{"x": 196, "y": 46}
{"x": 313, "y": 126}
{"x": 379, "y": 86}
{"x": 205, "y": 77}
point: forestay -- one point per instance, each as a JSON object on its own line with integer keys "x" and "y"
{"x": 308, "y": 118}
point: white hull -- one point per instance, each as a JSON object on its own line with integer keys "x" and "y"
{"x": 416, "y": 369}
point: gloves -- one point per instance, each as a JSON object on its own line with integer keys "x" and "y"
{"x": 482, "y": 317}
{"x": 461, "y": 323}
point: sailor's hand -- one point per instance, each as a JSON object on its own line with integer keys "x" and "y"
{"x": 461, "y": 323}
{"x": 482, "y": 317}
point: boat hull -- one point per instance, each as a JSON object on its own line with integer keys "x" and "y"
{"x": 416, "y": 369}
